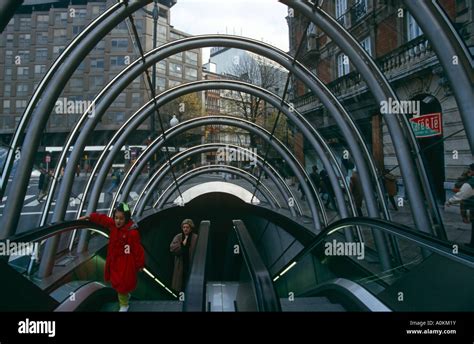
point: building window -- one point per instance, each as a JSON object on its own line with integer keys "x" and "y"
{"x": 57, "y": 49}
{"x": 119, "y": 44}
{"x": 6, "y": 105}
{"x": 42, "y": 21}
{"x": 40, "y": 69}
{"x": 24, "y": 39}
{"x": 60, "y": 18}
{"x": 21, "y": 89}
{"x": 342, "y": 65}
{"x": 76, "y": 84}
{"x": 160, "y": 84}
{"x": 25, "y": 23}
{"x": 412, "y": 26}
{"x": 367, "y": 45}
{"x": 81, "y": 13}
{"x": 191, "y": 73}
{"x": 7, "y": 90}
{"x": 161, "y": 67}
{"x": 176, "y": 70}
{"x": 97, "y": 81}
{"x": 59, "y": 34}
{"x": 97, "y": 63}
{"x": 341, "y": 9}
{"x": 20, "y": 104}
{"x": 41, "y": 54}
{"x": 8, "y": 71}
{"x": 22, "y": 72}
{"x": 117, "y": 61}
{"x": 41, "y": 37}
{"x": 192, "y": 58}
{"x": 359, "y": 10}
{"x": 162, "y": 31}
{"x": 136, "y": 99}
{"x": 178, "y": 56}
{"x": 9, "y": 39}
{"x": 8, "y": 56}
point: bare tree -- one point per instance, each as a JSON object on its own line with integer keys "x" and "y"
{"x": 259, "y": 72}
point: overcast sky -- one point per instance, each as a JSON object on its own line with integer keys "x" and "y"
{"x": 258, "y": 19}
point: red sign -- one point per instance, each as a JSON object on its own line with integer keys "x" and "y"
{"x": 427, "y": 125}
{"x": 47, "y": 159}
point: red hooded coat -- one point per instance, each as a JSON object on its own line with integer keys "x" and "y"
{"x": 125, "y": 254}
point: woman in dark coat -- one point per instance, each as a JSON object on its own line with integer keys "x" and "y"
{"x": 182, "y": 247}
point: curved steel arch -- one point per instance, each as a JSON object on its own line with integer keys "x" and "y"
{"x": 277, "y": 179}
{"x": 140, "y": 115}
{"x": 382, "y": 91}
{"x": 214, "y": 168}
{"x": 342, "y": 118}
{"x": 40, "y": 90}
{"x": 159, "y": 174}
{"x": 293, "y": 163}
{"x": 44, "y": 107}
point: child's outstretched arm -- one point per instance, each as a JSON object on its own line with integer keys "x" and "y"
{"x": 100, "y": 219}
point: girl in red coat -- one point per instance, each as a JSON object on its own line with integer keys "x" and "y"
{"x": 125, "y": 254}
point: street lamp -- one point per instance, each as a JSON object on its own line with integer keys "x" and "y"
{"x": 174, "y": 121}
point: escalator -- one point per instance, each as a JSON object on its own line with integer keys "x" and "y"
{"x": 261, "y": 262}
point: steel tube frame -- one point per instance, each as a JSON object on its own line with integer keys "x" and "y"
{"x": 163, "y": 170}
{"x": 382, "y": 91}
{"x": 138, "y": 117}
{"x": 40, "y": 90}
{"x": 293, "y": 163}
{"x": 250, "y": 45}
{"x": 251, "y": 179}
{"x": 46, "y": 104}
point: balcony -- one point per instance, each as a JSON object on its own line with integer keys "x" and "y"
{"x": 405, "y": 60}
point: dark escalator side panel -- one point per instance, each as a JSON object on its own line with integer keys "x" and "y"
{"x": 20, "y": 295}
{"x": 261, "y": 282}
{"x": 195, "y": 295}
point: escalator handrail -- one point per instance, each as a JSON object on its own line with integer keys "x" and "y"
{"x": 50, "y": 230}
{"x": 195, "y": 300}
{"x": 441, "y": 247}
{"x": 266, "y": 297}
{"x": 353, "y": 290}
{"x": 81, "y": 295}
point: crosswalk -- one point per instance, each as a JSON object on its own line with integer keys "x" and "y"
{"x": 32, "y": 200}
